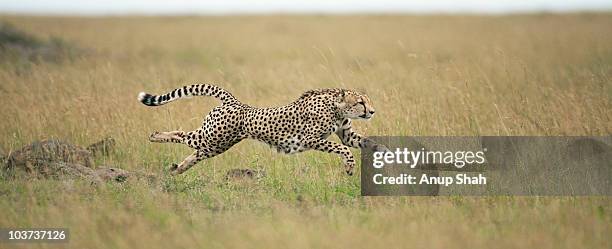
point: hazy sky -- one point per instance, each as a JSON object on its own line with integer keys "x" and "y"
{"x": 101, "y": 7}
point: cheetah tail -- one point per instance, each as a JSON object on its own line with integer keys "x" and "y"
{"x": 186, "y": 92}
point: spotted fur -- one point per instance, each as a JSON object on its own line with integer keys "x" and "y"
{"x": 301, "y": 125}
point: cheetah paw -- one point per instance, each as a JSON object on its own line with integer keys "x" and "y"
{"x": 349, "y": 169}
{"x": 173, "y": 168}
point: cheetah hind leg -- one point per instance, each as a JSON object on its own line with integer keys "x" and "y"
{"x": 194, "y": 158}
{"x": 187, "y": 163}
{"x": 167, "y": 137}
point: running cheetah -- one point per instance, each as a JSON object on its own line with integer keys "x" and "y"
{"x": 301, "y": 125}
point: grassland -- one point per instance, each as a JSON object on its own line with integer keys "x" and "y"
{"x": 427, "y": 75}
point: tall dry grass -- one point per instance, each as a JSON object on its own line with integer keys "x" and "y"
{"x": 427, "y": 75}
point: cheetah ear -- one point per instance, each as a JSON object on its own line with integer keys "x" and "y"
{"x": 341, "y": 100}
{"x": 342, "y": 95}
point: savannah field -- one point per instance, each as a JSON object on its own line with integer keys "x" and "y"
{"x": 540, "y": 74}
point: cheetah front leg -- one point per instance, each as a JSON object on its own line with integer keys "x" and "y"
{"x": 332, "y": 147}
{"x": 356, "y": 140}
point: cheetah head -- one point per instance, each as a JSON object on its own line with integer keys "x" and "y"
{"x": 355, "y": 105}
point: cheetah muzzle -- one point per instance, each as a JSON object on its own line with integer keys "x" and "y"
{"x": 302, "y": 125}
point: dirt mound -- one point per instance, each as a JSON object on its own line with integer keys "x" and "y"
{"x": 37, "y": 156}
{"x": 54, "y": 158}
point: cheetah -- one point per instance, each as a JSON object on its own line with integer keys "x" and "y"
{"x": 301, "y": 125}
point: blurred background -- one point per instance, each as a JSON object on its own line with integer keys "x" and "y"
{"x": 195, "y": 7}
